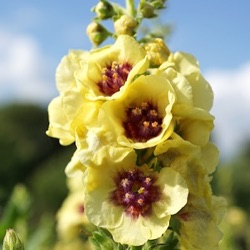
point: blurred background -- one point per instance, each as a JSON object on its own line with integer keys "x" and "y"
{"x": 35, "y": 35}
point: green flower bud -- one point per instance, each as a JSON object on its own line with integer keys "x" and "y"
{"x": 104, "y": 10}
{"x": 11, "y": 241}
{"x": 97, "y": 33}
{"x": 147, "y": 10}
{"x": 158, "y": 4}
{"x": 125, "y": 25}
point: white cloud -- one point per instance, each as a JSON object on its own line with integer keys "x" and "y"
{"x": 24, "y": 72}
{"x": 231, "y": 107}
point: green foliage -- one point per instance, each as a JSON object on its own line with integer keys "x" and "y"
{"x": 102, "y": 240}
{"x": 241, "y": 178}
{"x": 16, "y": 210}
{"x": 32, "y": 178}
{"x": 23, "y": 144}
{"x": 231, "y": 180}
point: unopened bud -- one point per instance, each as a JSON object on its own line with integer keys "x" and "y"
{"x": 158, "y": 4}
{"x": 97, "y": 33}
{"x": 125, "y": 25}
{"x": 11, "y": 241}
{"x": 157, "y": 51}
{"x": 147, "y": 10}
{"x": 104, "y": 10}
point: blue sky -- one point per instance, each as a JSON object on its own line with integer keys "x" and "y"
{"x": 35, "y": 35}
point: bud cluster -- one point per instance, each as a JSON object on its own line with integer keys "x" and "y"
{"x": 126, "y": 21}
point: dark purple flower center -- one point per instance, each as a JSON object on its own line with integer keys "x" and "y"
{"x": 135, "y": 192}
{"x": 113, "y": 78}
{"x": 143, "y": 122}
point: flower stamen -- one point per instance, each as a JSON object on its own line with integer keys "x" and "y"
{"x": 113, "y": 78}
{"x": 125, "y": 182}
{"x": 142, "y": 122}
{"x": 135, "y": 192}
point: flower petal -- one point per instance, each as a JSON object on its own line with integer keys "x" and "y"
{"x": 174, "y": 189}
{"x": 59, "y": 126}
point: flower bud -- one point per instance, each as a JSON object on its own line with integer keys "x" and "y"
{"x": 97, "y": 33}
{"x": 157, "y": 51}
{"x": 147, "y": 10}
{"x": 158, "y": 4}
{"x": 104, "y": 10}
{"x": 11, "y": 241}
{"x": 125, "y": 25}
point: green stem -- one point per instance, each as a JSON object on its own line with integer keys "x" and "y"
{"x": 130, "y": 5}
{"x": 142, "y": 2}
{"x": 135, "y": 247}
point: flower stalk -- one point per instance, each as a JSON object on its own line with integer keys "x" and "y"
{"x": 139, "y": 115}
{"x": 130, "y": 6}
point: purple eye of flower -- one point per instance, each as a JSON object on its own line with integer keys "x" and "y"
{"x": 143, "y": 122}
{"x": 113, "y": 78}
{"x": 135, "y": 192}
{"x": 80, "y": 209}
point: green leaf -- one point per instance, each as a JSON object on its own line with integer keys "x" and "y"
{"x": 175, "y": 224}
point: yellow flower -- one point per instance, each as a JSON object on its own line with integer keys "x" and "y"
{"x": 134, "y": 203}
{"x": 73, "y": 226}
{"x": 175, "y": 146}
{"x": 192, "y": 162}
{"x": 74, "y": 168}
{"x": 59, "y": 126}
{"x": 97, "y": 146}
{"x": 188, "y": 67}
{"x": 195, "y": 130}
{"x": 142, "y": 117}
{"x": 199, "y": 220}
{"x": 70, "y": 111}
{"x": 110, "y": 69}
{"x": 71, "y": 218}
{"x": 209, "y": 157}
{"x": 75, "y": 183}
{"x": 194, "y": 98}
{"x": 66, "y": 69}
